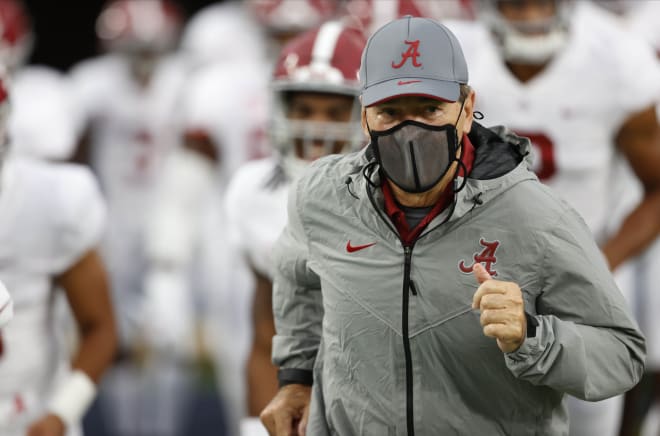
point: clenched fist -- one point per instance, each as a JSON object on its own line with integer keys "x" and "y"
{"x": 502, "y": 310}
{"x": 287, "y": 412}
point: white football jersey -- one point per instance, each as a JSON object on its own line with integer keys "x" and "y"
{"x": 573, "y": 110}
{"x": 52, "y": 214}
{"x": 642, "y": 19}
{"x": 131, "y": 127}
{"x": 256, "y": 209}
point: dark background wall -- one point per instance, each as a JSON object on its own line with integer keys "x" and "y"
{"x": 65, "y": 29}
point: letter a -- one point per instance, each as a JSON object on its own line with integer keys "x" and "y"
{"x": 411, "y": 53}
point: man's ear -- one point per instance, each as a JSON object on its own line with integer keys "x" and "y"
{"x": 363, "y": 122}
{"x": 468, "y": 112}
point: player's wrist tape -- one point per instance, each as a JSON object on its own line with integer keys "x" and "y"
{"x": 72, "y": 398}
{"x": 289, "y": 376}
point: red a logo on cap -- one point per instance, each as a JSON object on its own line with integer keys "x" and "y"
{"x": 411, "y": 53}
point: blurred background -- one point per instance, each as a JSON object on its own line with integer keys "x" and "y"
{"x": 67, "y": 35}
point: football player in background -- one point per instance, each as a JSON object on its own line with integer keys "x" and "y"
{"x": 584, "y": 91}
{"x": 643, "y": 19}
{"x": 223, "y": 119}
{"x": 52, "y": 221}
{"x": 128, "y": 102}
{"x": 41, "y": 96}
{"x": 315, "y": 112}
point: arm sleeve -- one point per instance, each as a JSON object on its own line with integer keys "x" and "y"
{"x": 587, "y": 343}
{"x": 297, "y": 300}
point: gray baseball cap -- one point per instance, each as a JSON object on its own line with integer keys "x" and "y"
{"x": 412, "y": 56}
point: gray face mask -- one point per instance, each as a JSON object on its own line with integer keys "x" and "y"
{"x": 415, "y": 156}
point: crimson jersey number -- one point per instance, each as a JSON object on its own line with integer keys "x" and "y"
{"x": 544, "y": 164}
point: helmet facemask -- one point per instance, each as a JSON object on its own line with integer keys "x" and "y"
{"x": 301, "y": 139}
{"x": 531, "y": 41}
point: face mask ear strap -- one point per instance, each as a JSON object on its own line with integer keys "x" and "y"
{"x": 366, "y": 121}
{"x": 460, "y": 165}
{"x": 460, "y": 112}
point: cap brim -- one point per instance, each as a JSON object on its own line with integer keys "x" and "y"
{"x": 436, "y": 89}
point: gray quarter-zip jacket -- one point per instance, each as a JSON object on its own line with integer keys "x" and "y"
{"x": 389, "y": 332}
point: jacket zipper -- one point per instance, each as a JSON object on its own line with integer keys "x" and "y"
{"x": 410, "y": 423}
{"x": 408, "y": 287}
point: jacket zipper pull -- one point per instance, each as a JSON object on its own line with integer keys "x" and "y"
{"x": 413, "y": 288}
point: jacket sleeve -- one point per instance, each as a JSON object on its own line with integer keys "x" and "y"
{"x": 587, "y": 343}
{"x": 297, "y": 302}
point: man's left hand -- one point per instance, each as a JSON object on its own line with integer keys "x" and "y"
{"x": 502, "y": 310}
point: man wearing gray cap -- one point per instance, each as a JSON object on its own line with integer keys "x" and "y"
{"x": 429, "y": 284}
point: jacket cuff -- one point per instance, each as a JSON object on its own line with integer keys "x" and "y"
{"x": 532, "y": 323}
{"x": 289, "y": 376}
{"x": 518, "y": 361}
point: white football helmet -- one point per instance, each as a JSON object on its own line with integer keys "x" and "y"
{"x": 211, "y": 34}
{"x": 527, "y": 41}
{"x": 16, "y": 36}
{"x": 324, "y": 60}
{"x": 370, "y": 15}
{"x": 290, "y": 17}
{"x": 139, "y": 25}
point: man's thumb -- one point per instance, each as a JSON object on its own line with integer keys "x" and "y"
{"x": 480, "y": 273}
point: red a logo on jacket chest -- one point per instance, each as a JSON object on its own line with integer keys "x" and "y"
{"x": 485, "y": 257}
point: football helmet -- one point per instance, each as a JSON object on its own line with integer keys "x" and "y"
{"x": 211, "y": 34}
{"x": 527, "y": 41}
{"x": 370, "y": 15}
{"x": 290, "y": 17}
{"x": 325, "y": 60}
{"x": 138, "y": 25}
{"x": 16, "y": 36}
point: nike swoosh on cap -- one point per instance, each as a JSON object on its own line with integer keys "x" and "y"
{"x": 407, "y": 82}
